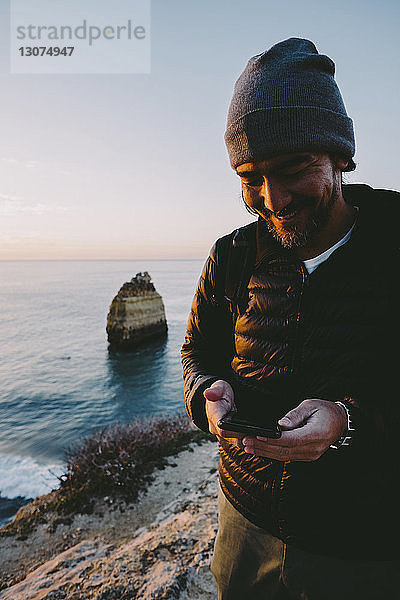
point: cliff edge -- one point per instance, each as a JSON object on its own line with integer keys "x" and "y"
{"x": 158, "y": 548}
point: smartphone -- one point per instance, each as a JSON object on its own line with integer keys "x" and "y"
{"x": 232, "y": 422}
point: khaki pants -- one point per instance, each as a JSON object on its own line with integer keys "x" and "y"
{"x": 251, "y": 564}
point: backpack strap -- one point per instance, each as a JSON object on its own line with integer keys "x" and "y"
{"x": 239, "y": 264}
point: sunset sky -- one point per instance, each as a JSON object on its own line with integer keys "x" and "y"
{"x": 134, "y": 166}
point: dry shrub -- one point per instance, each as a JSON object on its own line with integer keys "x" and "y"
{"x": 118, "y": 460}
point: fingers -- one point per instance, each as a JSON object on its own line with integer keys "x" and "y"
{"x": 305, "y": 452}
{"x": 299, "y": 444}
{"x": 309, "y": 429}
{"x": 297, "y": 437}
{"x": 219, "y": 401}
{"x": 297, "y": 416}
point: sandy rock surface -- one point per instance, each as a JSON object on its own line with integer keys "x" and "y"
{"x": 159, "y": 548}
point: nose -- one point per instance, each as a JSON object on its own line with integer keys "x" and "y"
{"x": 276, "y": 196}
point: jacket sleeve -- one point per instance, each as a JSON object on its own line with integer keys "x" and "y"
{"x": 375, "y": 411}
{"x": 208, "y": 347}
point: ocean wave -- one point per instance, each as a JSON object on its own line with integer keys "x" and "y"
{"x": 25, "y": 477}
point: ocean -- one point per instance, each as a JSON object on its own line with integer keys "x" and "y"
{"x": 58, "y": 379}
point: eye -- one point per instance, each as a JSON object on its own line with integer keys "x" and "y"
{"x": 253, "y": 182}
{"x": 287, "y": 175}
{"x": 290, "y": 174}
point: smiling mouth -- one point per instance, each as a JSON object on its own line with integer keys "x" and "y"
{"x": 289, "y": 212}
{"x": 286, "y": 214}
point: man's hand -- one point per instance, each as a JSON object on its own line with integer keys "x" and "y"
{"x": 220, "y": 401}
{"x": 309, "y": 430}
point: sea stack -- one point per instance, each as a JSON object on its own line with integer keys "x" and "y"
{"x": 136, "y": 314}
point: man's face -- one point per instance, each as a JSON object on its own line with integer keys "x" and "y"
{"x": 294, "y": 193}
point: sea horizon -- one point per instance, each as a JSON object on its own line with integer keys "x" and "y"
{"x": 96, "y": 259}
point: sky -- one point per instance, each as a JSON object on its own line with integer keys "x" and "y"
{"x": 132, "y": 166}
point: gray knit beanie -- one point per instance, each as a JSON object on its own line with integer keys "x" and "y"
{"x": 287, "y": 100}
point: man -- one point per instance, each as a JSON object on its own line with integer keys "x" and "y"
{"x": 313, "y": 344}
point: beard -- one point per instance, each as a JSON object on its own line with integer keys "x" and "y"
{"x": 296, "y": 236}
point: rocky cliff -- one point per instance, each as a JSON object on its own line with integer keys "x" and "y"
{"x": 136, "y": 314}
{"x": 156, "y": 549}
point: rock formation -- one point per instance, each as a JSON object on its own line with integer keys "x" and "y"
{"x": 136, "y": 314}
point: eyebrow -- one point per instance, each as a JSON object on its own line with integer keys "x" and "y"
{"x": 293, "y": 161}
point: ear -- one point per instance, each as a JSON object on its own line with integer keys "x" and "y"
{"x": 341, "y": 163}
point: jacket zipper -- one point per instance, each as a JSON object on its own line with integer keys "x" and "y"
{"x": 298, "y": 320}
{"x": 278, "y": 480}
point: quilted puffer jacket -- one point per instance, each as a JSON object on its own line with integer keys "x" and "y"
{"x": 334, "y": 335}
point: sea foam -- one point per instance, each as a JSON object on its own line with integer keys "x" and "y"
{"x": 26, "y": 477}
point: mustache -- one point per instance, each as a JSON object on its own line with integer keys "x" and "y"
{"x": 295, "y": 205}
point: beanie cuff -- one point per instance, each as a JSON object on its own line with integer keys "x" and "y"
{"x": 263, "y": 133}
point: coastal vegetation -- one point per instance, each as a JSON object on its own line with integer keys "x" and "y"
{"x": 116, "y": 461}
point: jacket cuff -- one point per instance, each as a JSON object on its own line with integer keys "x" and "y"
{"x": 195, "y": 401}
{"x": 353, "y": 407}
{"x": 356, "y": 417}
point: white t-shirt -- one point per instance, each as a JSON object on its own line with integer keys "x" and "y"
{"x": 312, "y": 263}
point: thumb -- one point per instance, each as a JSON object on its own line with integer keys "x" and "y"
{"x": 295, "y": 417}
{"x": 214, "y": 393}
{"x": 219, "y": 389}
